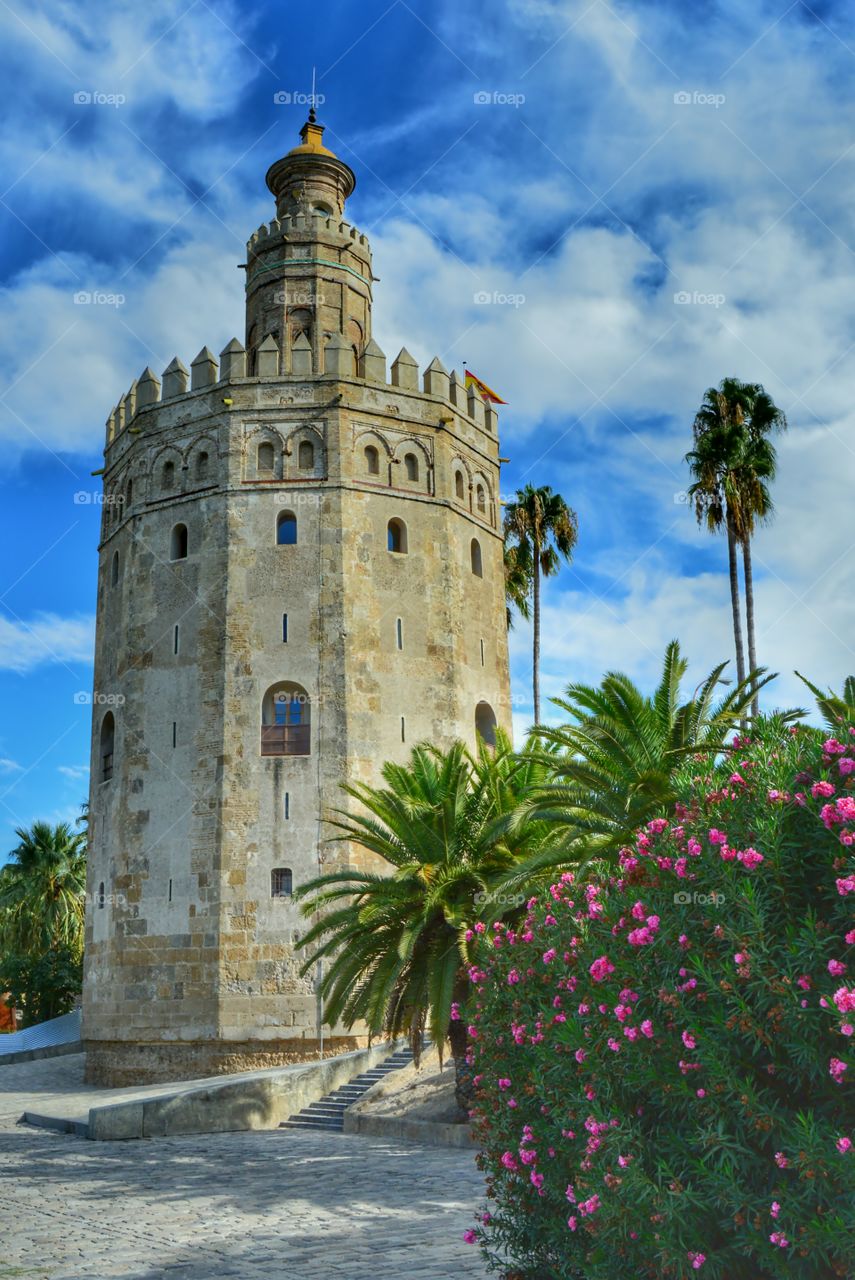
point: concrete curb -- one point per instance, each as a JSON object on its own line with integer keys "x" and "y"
{"x": 430, "y": 1134}
{"x": 259, "y": 1101}
{"x": 33, "y": 1055}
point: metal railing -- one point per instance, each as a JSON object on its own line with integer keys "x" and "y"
{"x": 285, "y": 740}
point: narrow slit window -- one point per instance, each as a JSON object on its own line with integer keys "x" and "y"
{"x": 284, "y": 628}
{"x": 482, "y": 653}
{"x": 170, "y": 891}
{"x": 403, "y": 729}
{"x": 175, "y": 733}
{"x": 102, "y": 896}
{"x": 175, "y": 639}
{"x": 287, "y": 805}
{"x": 399, "y": 633}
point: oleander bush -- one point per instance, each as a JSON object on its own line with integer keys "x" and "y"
{"x": 662, "y": 1048}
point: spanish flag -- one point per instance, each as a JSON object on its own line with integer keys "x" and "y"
{"x": 483, "y": 389}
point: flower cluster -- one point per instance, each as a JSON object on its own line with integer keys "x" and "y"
{"x": 664, "y": 1045}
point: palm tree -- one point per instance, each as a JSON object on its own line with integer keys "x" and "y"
{"x": 835, "y": 708}
{"x": 397, "y": 941}
{"x": 732, "y": 464}
{"x": 42, "y": 890}
{"x": 518, "y": 582}
{"x": 540, "y": 529}
{"x": 613, "y": 765}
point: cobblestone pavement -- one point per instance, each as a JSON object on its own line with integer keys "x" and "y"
{"x": 270, "y": 1205}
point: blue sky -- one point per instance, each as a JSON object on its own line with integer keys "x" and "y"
{"x": 652, "y": 196}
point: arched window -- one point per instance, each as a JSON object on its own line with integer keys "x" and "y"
{"x": 372, "y": 460}
{"x": 481, "y": 500}
{"x": 107, "y": 743}
{"x": 202, "y": 466}
{"x": 114, "y": 570}
{"x": 411, "y": 466}
{"x": 475, "y": 557}
{"x": 396, "y": 537}
{"x": 281, "y": 882}
{"x": 286, "y": 529}
{"x": 167, "y": 475}
{"x": 306, "y": 455}
{"x": 178, "y": 543}
{"x": 485, "y": 723}
{"x": 266, "y": 456}
{"x": 459, "y": 489}
{"x": 286, "y": 721}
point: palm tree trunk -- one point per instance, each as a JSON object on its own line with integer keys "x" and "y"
{"x": 734, "y": 603}
{"x": 749, "y": 617}
{"x": 536, "y": 628}
{"x": 464, "y": 1075}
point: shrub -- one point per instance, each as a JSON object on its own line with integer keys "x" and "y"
{"x": 661, "y": 1053}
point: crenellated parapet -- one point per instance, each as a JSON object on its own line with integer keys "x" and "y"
{"x": 130, "y": 417}
{"x": 310, "y": 226}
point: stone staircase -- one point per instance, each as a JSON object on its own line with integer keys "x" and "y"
{"x": 328, "y": 1113}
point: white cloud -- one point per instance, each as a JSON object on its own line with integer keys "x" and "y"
{"x": 45, "y": 639}
{"x": 74, "y": 771}
{"x": 10, "y": 766}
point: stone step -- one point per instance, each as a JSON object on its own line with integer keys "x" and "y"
{"x": 328, "y": 1112}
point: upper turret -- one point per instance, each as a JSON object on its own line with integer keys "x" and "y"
{"x": 308, "y": 273}
{"x": 311, "y": 179}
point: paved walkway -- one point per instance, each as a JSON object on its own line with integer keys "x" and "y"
{"x": 272, "y": 1205}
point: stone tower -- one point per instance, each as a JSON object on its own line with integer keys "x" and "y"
{"x": 300, "y": 577}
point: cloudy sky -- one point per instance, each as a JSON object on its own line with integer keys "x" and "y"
{"x": 652, "y": 195}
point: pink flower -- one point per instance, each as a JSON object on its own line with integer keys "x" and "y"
{"x": 470, "y": 1236}
{"x": 536, "y": 1179}
{"x": 479, "y": 927}
{"x": 624, "y": 1161}
{"x": 837, "y": 1069}
{"x": 697, "y": 1260}
{"x": 804, "y": 982}
{"x": 750, "y": 858}
{"x": 580, "y": 1055}
{"x": 513, "y": 977}
{"x": 689, "y": 1040}
{"x": 850, "y": 937}
{"x": 846, "y": 765}
{"x": 741, "y": 957}
{"x": 641, "y": 937}
{"x": 836, "y": 968}
{"x": 832, "y": 747}
{"x": 571, "y": 1222}
{"x": 778, "y": 1238}
{"x": 775, "y": 1209}
{"x": 824, "y": 789}
{"x": 716, "y": 837}
{"x": 843, "y": 1145}
{"x": 504, "y": 1084}
{"x": 647, "y": 1028}
{"x": 781, "y": 1160}
{"x": 844, "y": 1000}
{"x": 601, "y": 968}
{"x": 509, "y": 1160}
{"x": 549, "y": 956}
